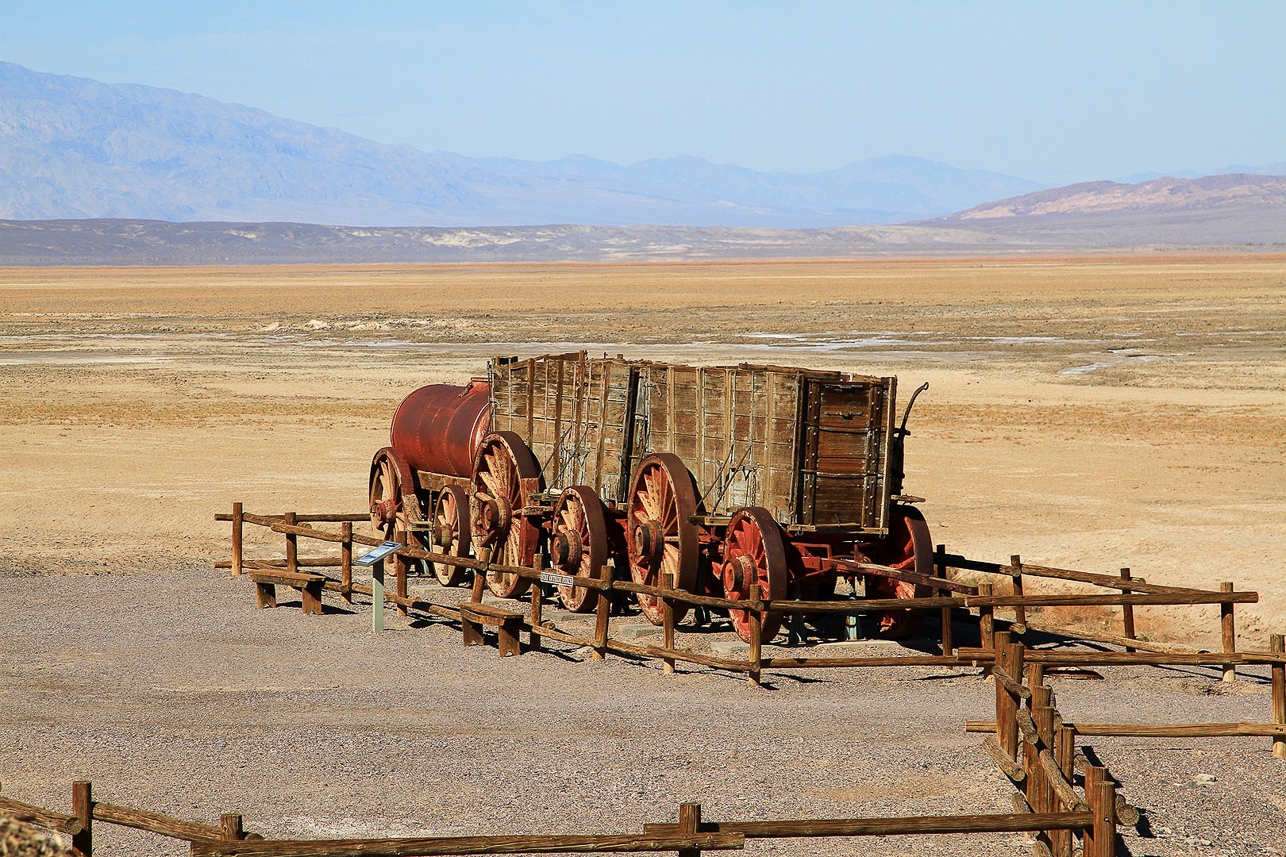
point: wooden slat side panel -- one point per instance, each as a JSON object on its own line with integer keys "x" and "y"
{"x": 501, "y": 393}
{"x": 600, "y": 453}
{"x": 845, "y": 466}
{"x": 736, "y": 431}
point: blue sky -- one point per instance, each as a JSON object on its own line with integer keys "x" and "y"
{"x": 1055, "y": 92}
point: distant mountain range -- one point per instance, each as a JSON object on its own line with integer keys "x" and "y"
{"x": 120, "y": 174}
{"x": 73, "y": 147}
{"x": 1236, "y": 210}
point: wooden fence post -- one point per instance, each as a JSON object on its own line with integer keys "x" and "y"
{"x": 534, "y": 639}
{"x": 1020, "y": 612}
{"x": 986, "y": 623}
{"x": 238, "y": 523}
{"x": 1278, "y": 645}
{"x": 940, "y": 568}
{"x": 1094, "y": 775}
{"x": 1035, "y": 679}
{"x": 82, "y": 806}
{"x": 231, "y": 824}
{"x": 480, "y": 575}
{"x": 1229, "y": 630}
{"x": 346, "y": 561}
{"x": 689, "y": 825}
{"x": 1102, "y": 800}
{"x": 604, "y": 613}
{"x": 1014, "y": 665}
{"x": 292, "y": 546}
{"x": 1004, "y": 702}
{"x": 1127, "y": 613}
{"x": 1065, "y": 755}
{"x": 400, "y": 564}
{"x": 667, "y": 622}
{"x": 756, "y": 635}
{"x": 1043, "y": 716}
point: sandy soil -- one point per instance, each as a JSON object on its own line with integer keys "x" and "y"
{"x": 1089, "y": 413}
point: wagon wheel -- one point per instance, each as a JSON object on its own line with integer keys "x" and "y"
{"x": 504, "y": 475}
{"x": 450, "y": 534}
{"x": 579, "y": 544}
{"x": 907, "y": 546}
{"x": 662, "y": 537}
{"x": 390, "y": 484}
{"x": 754, "y": 552}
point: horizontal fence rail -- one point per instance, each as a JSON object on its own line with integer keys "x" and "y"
{"x": 688, "y": 837}
{"x": 976, "y": 604}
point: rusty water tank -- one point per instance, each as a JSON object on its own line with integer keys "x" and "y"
{"x": 439, "y": 427}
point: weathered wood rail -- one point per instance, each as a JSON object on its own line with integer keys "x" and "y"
{"x": 1012, "y": 657}
{"x": 979, "y": 609}
{"x": 1094, "y": 822}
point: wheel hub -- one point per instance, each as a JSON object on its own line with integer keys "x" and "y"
{"x": 384, "y": 511}
{"x": 567, "y": 550}
{"x": 496, "y": 517}
{"x": 649, "y": 542}
{"x": 442, "y": 536}
{"x": 738, "y": 573}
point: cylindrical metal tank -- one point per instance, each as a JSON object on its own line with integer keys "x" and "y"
{"x": 439, "y": 427}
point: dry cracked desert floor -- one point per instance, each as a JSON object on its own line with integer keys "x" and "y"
{"x": 1084, "y": 412}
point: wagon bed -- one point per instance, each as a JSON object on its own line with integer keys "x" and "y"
{"x": 814, "y": 448}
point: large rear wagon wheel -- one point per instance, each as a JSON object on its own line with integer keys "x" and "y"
{"x": 908, "y": 546}
{"x": 662, "y": 538}
{"x": 505, "y": 474}
{"x": 754, "y": 552}
{"x": 579, "y": 544}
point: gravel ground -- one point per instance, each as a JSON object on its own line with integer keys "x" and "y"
{"x": 171, "y": 691}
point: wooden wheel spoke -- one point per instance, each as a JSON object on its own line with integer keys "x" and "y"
{"x": 651, "y": 503}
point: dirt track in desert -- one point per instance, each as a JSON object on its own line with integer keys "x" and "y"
{"x": 1086, "y": 412}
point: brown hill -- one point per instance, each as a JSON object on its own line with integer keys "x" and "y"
{"x": 1227, "y": 210}
{"x": 1237, "y": 191}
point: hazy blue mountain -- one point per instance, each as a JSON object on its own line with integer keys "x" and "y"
{"x": 1212, "y": 211}
{"x": 77, "y": 148}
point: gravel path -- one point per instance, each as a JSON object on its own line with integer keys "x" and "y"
{"x": 173, "y": 692}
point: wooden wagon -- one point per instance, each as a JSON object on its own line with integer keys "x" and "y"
{"x": 719, "y": 476}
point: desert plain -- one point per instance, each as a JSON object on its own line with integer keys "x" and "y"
{"x": 1089, "y": 412}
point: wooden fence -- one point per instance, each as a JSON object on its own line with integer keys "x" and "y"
{"x": 1012, "y": 657}
{"x": 1093, "y": 821}
{"x": 1127, "y": 593}
{"x": 1037, "y": 751}
{"x": 1035, "y": 747}
{"x": 230, "y": 838}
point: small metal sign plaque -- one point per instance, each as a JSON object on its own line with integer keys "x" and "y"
{"x": 557, "y": 579}
{"x": 378, "y": 554}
